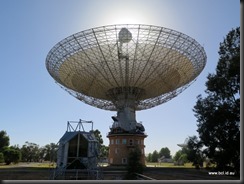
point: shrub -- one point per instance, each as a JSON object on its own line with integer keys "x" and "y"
{"x": 11, "y": 155}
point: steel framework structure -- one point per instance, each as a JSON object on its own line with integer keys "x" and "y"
{"x": 140, "y": 66}
{"x": 77, "y": 146}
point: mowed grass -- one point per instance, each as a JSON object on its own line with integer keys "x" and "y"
{"x": 53, "y": 165}
{"x": 44, "y": 165}
{"x": 169, "y": 165}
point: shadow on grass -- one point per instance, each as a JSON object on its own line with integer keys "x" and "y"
{"x": 24, "y": 173}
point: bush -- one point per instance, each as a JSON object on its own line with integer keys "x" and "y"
{"x": 11, "y": 155}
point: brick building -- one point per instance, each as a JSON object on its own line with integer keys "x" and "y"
{"x": 121, "y": 142}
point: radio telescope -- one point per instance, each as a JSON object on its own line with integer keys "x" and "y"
{"x": 184, "y": 145}
{"x": 126, "y": 68}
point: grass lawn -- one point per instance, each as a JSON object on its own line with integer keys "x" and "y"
{"x": 28, "y": 165}
{"x": 158, "y": 171}
{"x": 169, "y": 165}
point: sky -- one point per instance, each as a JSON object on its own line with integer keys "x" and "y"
{"x": 34, "y": 108}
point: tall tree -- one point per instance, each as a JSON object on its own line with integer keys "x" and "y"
{"x": 165, "y": 152}
{"x": 149, "y": 157}
{"x": 180, "y": 157}
{"x": 30, "y": 152}
{"x": 104, "y": 150}
{"x": 98, "y": 136}
{"x": 4, "y": 140}
{"x": 134, "y": 164}
{"x": 177, "y": 155}
{"x": 49, "y": 152}
{"x": 194, "y": 151}
{"x": 155, "y": 156}
{"x": 218, "y": 114}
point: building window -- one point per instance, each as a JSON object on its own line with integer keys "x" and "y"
{"x": 117, "y": 141}
{"x": 111, "y": 141}
{"x": 111, "y": 160}
{"x": 123, "y": 141}
{"x": 142, "y": 142}
{"x": 124, "y": 160}
{"x": 116, "y": 150}
{"x": 131, "y": 142}
{"x": 137, "y": 141}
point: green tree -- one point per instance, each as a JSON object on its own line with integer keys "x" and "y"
{"x": 155, "y": 156}
{"x": 30, "y": 152}
{"x": 149, "y": 157}
{"x": 180, "y": 157}
{"x": 183, "y": 158}
{"x": 49, "y": 152}
{"x": 1, "y": 158}
{"x": 98, "y": 136}
{"x": 218, "y": 114}
{"x": 4, "y": 140}
{"x": 104, "y": 150}
{"x": 177, "y": 155}
{"x": 165, "y": 152}
{"x": 194, "y": 151}
{"x": 11, "y": 155}
{"x": 134, "y": 163}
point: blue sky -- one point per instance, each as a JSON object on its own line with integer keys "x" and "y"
{"x": 34, "y": 109}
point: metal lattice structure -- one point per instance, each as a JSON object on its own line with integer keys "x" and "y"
{"x": 77, "y": 154}
{"x": 140, "y": 66}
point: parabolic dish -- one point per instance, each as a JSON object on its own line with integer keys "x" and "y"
{"x": 150, "y": 64}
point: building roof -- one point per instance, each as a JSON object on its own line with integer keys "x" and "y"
{"x": 69, "y": 135}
